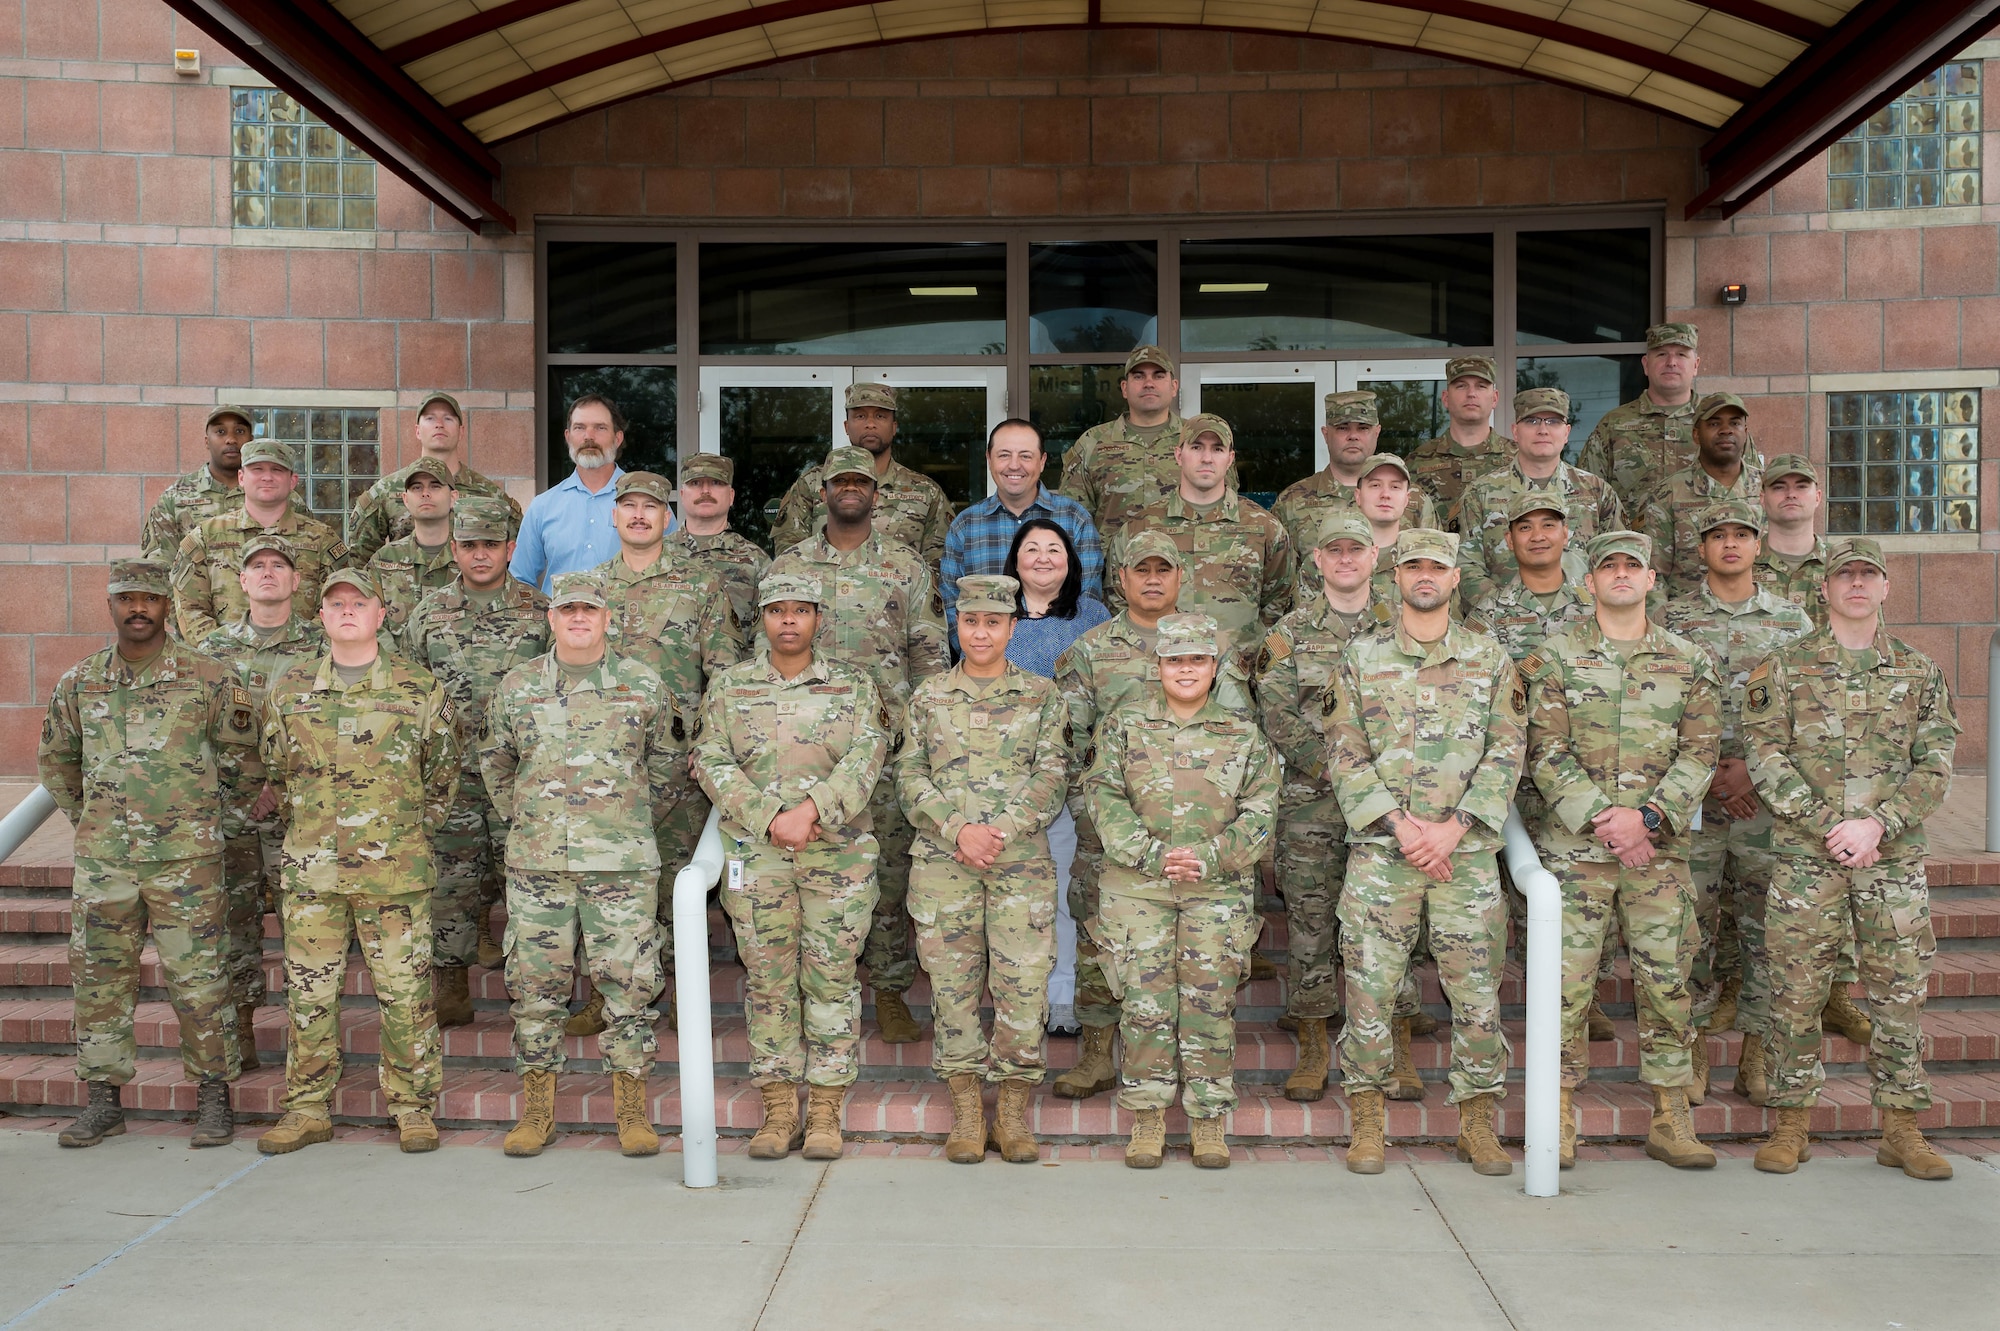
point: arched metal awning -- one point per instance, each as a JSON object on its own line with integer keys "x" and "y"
{"x": 429, "y": 85}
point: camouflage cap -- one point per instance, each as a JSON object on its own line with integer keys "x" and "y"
{"x": 431, "y": 467}
{"x": 1152, "y": 543}
{"x": 1194, "y": 427}
{"x": 358, "y": 578}
{"x": 1376, "y": 461}
{"x": 148, "y": 576}
{"x": 1848, "y": 549}
{"x": 1187, "y": 635}
{"x": 271, "y": 541}
{"x": 848, "y": 461}
{"x": 1425, "y": 543}
{"x": 708, "y": 467}
{"x": 648, "y": 483}
{"x": 1531, "y": 400}
{"x": 482, "y": 518}
{"x": 584, "y": 586}
{"x": 1608, "y": 543}
{"x": 1673, "y": 335}
{"x": 1547, "y": 500}
{"x": 270, "y": 450}
{"x": 1150, "y": 355}
{"x": 1479, "y": 367}
{"x": 445, "y": 398}
{"x": 1714, "y": 402}
{"x": 1790, "y": 464}
{"x": 1738, "y": 511}
{"x": 1343, "y": 524}
{"x": 992, "y": 592}
{"x": 217, "y": 412}
{"x": 1356, "y": 408}
{"x": 778, "y": 587}
{"x": 871, "y": 395}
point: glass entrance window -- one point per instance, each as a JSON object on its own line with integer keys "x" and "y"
{"x": 773, "y": 433}
{"x": 1093, "y": 297}
{"x": 1277, "y": 430}
{"x": 1584, "y": 286}
{"x": 860, "y": 300}
{"x": 647, "y": 397}
{"x": 611, "y": 298}
{"x": 1066, "y": 400}
{"x": 1325, "y": 293}
{"x": 941, "y": 432}
{"x": 1411, "y": 412}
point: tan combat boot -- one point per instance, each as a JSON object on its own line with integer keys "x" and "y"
{"x": 1422, "y": 1023}
{"x": 782, "y": 1132}
{"x": 1566, "y": 1139}
{"x": 588, "y": 1019}
{"x": 103, "y": 1116}
{"x": 416, "y": 1132}
{"x": 1409, "y": 1085}
{"x": 1672, "y": 1140}
{"x": 538, "y": 1114}
{"x": 636, "y": 1135}
{"x": 1697, "y": 1090}
{"x": 491, "y": 955}
{"x": 1752, "y": 1075}
{"x": 1206, "y": 1140}
{"x": 1787, "y": 1147}
{"x": 1725, "y": 1007}
{"x": 967, "y": 1143}
{"x": 1096, "y": 1071}
{"x": 1366, "y": 1151}
{"x": 1478, "y": 1144}
{"x": 893, "y": 1019}
{"x": 1841, "y": 1014}
{"x": 1600, "y": 1025}
{"x": 1010, "y": 1124}
{"x": 454, "y": 996}
{"x": 1147, "y": 1145}
{"x": 1261, "y": 967}
{"x": 1308, "y": 1080}
{"x": 1903, "y": 1147}
{"x": 823, "y": 1107}
{"x": 298, "y": 1128}
{"x": 246, "y": 1038}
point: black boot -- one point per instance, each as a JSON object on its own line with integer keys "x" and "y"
{"x": 103, "y": 1117}
{"x": 214, "y": 1125}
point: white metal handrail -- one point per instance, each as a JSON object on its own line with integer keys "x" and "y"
{"x": 691, "y": 990}
{"x": 1543, "y": 1075}
{"x": 24, "y": 819}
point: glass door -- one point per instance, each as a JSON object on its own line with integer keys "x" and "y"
{"x": 775, "y": 421}
{"x": 1408, "y": 393}
{"x": 944, "y": 413}
{"x": 1274, "y": 409}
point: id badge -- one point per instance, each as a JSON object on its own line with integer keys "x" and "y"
{"x": 736, "y": 875}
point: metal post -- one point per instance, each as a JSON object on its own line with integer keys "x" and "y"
{"x": 25, "y": 818}
{"x": 1992, "y": 747}
{"x": 691, "y": 989}
{"x": 1544, "y": 1064}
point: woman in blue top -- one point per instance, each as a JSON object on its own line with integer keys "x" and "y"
{"x": 1054, "y": 613}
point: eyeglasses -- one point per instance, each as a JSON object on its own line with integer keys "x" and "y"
{"x": 1544, "y": 422}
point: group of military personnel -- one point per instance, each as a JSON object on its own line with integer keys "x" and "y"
{"x": 1689, "y": 696}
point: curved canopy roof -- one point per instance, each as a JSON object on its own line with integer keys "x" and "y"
{"x": 464, "y": 74}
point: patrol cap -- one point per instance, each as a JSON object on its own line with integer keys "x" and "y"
{"x": 358, "y": 578}
{"x": 1425, "y": 543}
{"x": 1848, "y": 549}
{"x": 1479, "y": 367}
{"x": 1790, "y": 464}
{"x": 217, "y": 412}
{"x": 778, "y": 587}
{"x": 263, "y": 541}
{"x": 1194, "y": 427}
{"x": 1376, "y": 461}
{"x": 848, "y": 460}
{"x": 1343, "y": 524}
{"x": 708, "y": 467}
{"x": 432, "y": 468}
{"x": 1608, "y": 543}
{"x": 1714, "y": 402}
{"x": 1150, "y": 356}
{"x": 1531, "y": 400}
{"x": 1673, "y": 335}
{"x": 1355, "y": 408}
{"x": 1152, "y": 543}
{"x": 993, "y": 592}
{"x": 1187, "y": 635}
{"x": 581, "y": 587}
{"x": 482, "y": 518}
{"x": 149, "y": 576}
{"x": 1731, "y": 510}
{"x": 445, "y": 398}
{"x": 270, "y": 450}
{"x": 871, "y": 395}
{"x": 648, "y": 483}
{"x": 1537, "y": 501}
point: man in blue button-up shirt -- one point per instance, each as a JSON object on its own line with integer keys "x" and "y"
{"x": 981, "y": 535}
{"x": 569, "y": 526}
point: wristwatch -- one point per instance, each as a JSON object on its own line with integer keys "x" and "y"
{"x": 1650, "y": 816}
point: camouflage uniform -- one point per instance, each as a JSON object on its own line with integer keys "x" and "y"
{"x": 379, "y": 517}
{"x": 882, "y": 615}
{"x": 1435, "y": 729}
{"x": 1176, "y": 952}
{"x": 1835, "y": 734}
{"x": 406, "y": 573}
{"x": 910, "y": 509}
{"x": 1239, "y": 567}
{"x": 986, "y": 751}
{"x": 1795, "y": 578}
{"x": 1443, "y": 467}
{"x": 1672, "y": 516}
{"x": 1303, "y": 505}
{"x": 1612, "y": 726}
{"x": 1638, "y": 444}
{"x": 581, "y": 770}
{"x": 365, "y": 775}
{"x": 766, "y": 744}
{"x": 183, "y": 506}
{"x": 1588, "y": 505}
{"x": 741, "y": 566}
{"x": 145, "y": 762}
{"x": 207, "y": 590}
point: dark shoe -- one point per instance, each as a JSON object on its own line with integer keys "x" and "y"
{"x": 103, "y": 1116}
{"x": 214, "y": 1125}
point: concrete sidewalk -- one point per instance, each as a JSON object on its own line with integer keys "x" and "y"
{"x": 144, "y": 1231}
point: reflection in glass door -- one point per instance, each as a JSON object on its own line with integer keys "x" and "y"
{"x": 1273, "y": 408}
{"x": 943, "y": 414}
{"x": 774, "y": 422}
{"x": 1407, "y": 393}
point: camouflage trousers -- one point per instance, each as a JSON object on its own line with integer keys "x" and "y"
{"x": 468, "y": 875}
{"x": 800, "y": 920}
{"x": 611, "y": 914}
{"x": 1176, "y": 967}
{"x": 1729, "y": 863}
{"x": 250, "y": 870}
{"x": 890, "y": 955}
{"x": 395, "y": 936}
{"x": 987, "y": 927}
{"x": 1654, "y": 905}
{"x": 1535, "y": 814}
{"x": 1312, "y": 864}
{"x": 1753, "y": 1004}
{"x": 113, "y": 906}
{"x": 677, "y": 838}
{"x": 1096, "y": 1005}
{"x": 1812, "y": 905}
{"x": 1385, "y": 904}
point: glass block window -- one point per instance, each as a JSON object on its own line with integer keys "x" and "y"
{"x": 1903, "y": 462}
{"x": 292, "y": 170}
{"x": 1919, "y": 151}
{"x": 339, "y": 451}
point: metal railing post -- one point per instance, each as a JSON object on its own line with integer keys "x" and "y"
{"x": 691, "y": 990}
{"x": 23, "y": 820}
{"x": 1992, "y": 747}
{"x": 1543, "y": 1110}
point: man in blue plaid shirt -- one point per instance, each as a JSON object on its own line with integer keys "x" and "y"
{"x": 981, "y": 535}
